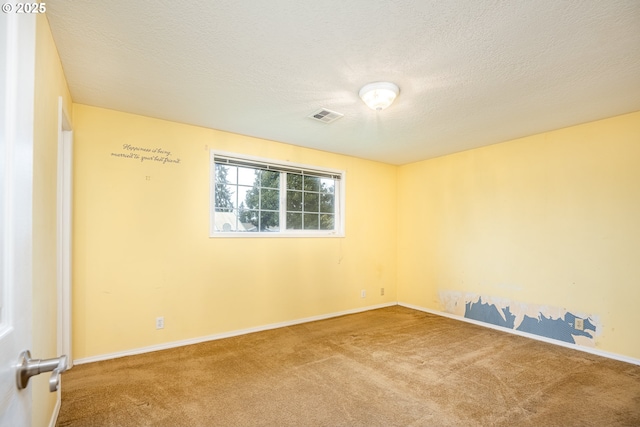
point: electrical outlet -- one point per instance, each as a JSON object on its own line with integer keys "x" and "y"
{"x": 363, "y": 293}
{"x": 579, "y": 324}
{"x": 160, "y": 322}
{"x": 381, "y": 291}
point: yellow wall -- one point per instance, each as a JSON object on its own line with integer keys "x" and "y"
{"x": 552, "y": 219}
{"x": 50, "y": 83}
{"x": 545, "y": 220}
{"x": 142, "y": 247}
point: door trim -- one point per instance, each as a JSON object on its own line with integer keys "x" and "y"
{"x": 64, "y": 224}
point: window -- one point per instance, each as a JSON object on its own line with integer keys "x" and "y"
{"x": 257, "y": 197}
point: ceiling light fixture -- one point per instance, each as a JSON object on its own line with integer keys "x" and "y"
{"x": 379, "y": 95}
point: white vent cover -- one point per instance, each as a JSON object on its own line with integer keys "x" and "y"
{"x": 325, "y": 116}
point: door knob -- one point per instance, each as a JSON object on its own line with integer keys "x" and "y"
{"x": 28, "y": 367}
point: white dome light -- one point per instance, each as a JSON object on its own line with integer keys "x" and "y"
{"x": 379, "y": 95}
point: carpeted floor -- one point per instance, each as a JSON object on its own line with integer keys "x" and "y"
{"x": 386, "y": 367}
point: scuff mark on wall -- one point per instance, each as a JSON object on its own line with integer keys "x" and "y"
{"x": 546, "y": 321}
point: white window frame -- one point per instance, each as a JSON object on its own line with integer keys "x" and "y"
{"x": 338, "y": 231}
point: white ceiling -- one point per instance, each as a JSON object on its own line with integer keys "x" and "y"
{"x": 470, "y": 72}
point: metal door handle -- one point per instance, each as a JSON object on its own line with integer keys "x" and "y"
{"x": 28, "y": 367}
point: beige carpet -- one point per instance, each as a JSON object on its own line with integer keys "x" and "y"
{"x": 387, "y": 367}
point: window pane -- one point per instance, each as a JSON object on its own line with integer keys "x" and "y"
{"x": 327, "y": 222}
{"x": 311, "y": 221}
{"x": 225, "y": 196}
{"x": 327, "y": 203}
{"x": 251, "y": 197}
{"x": 242, "y": 196}
{"x": 327, "y": 185}
{"x": 247, "y": 176}
{"x": 269, "y": 221}
{"x": 311, "y": 183}
{"x": 311, "y": 202}
{"x": 270, "y": 199}
{"x": 294, "y": 200}
{"x": 242, "y": 212}
{"x": 248, "y": 220}
{"x": 226, "y": 174}
{"x": 226, "y": 221}
{"x": 294, "y": 221}
{"x": 294, "y": 181}
{"x": 270, "y": 179}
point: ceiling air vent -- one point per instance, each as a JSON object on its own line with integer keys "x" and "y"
{"x": 325, "y": 116}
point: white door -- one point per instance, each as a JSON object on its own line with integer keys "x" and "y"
{"x": 17, "y": 67}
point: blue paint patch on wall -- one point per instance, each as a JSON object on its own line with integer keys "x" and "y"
{"x": 562, "y": 329}
{"x": 489, "y": 313}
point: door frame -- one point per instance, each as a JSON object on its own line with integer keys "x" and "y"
{"x": 64, "y": 231}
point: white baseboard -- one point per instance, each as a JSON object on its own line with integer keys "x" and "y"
{"x": 591, "y": 350}
{"x": 235, "y": 333}
{"x": 230, "y": 334}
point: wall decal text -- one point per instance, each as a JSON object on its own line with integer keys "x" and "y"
{"x": 144, "y": 154}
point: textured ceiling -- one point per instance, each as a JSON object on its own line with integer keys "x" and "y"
{"x": 470, "y": 72}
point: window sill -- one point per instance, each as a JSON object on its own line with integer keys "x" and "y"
{"x": 244, "y": 235}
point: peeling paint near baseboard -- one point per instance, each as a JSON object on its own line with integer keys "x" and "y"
{"x": 551, "y": 322}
